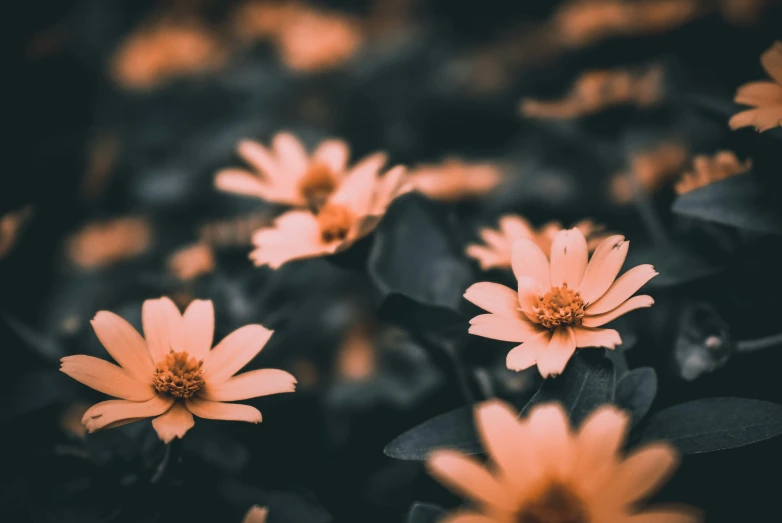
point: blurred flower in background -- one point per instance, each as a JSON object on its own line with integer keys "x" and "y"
{"x": 765, "y": 97}
{"x": 710, "y": 169}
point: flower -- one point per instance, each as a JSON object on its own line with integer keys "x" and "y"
{"x": 287, "y": 174}
{"x": 172, "y": 374}
{"x": 454, "y": 179}
{"x": 497, "y": 249}
{"x": 652, "y": 169}
{"x": 349, "y": 214}
{"x": 163, "y": 50}
{"x": 597, "y": 90}
{"x": 192, "y": 261}
{"x": 256, "y": 514}
{"x": 765, "y": 97}
{"x": 11, "y": 225}
{"x": 708, "y": 170}
{"x": 559, "y": 304}
{"x": 542, "y": 471}
{"x": 100, "y": 244}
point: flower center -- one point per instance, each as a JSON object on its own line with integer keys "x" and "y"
{"x": 317, "y": 185}
{"x": 179, "y": 375}
{"x": 560, "y": 307}
{"x": 557, "y": 505}
{"x": 335, "y": 222}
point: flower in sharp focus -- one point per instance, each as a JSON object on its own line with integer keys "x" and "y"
{"x": 542, "y": 471}
{"x": 256, "y": 514}
{"x": 496, "y": 251}
{"x": 708, "y": 169}
{"x": 349, "y": 214}
{"x": 287, "y": 174}
{"x": 560, "y": 304}
{"x": 454, "y": 179}
{"x": 171, "y": 374}
{"x": 765, "y": 97}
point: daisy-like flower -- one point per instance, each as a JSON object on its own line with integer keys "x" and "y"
{"x": 454, "y": 179}
{"x": 543, "y": 472}
{"x": 764, "y": 97}
{"x": 560, "y": 304}
{"x": 171, "y": 374}
{"x": 287, "y": 174}
{"x": 348, "y": 215}
{"x": 496, "y": 252}
{"x": 708, "y": 169}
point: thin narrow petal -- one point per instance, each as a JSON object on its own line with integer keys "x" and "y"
{"x": 109, "y": 412}
{"x": 759, "y": 94}
{"x": 553, "y": 360}
{"x": 526, "y": 355}
{"x": 587, "y": 337}
{"x": 605, "y": 264}
{"x": 391, "y": 185}
{"x": 291, "y": 154}
{"x": 548, "y": 432}
{"x": 241, "y": 182}
{"x": 772, "y": 62}
{"x": 743, "y": 119}
{"x": 569, "y": 257}
{"x": 252, "y": 384}
{"x": 624, "y": 287}
{"x": 124, "y": 343}
{"x": 643, "y": 472}
{"x": 529, "y": 289}
{"x": 107, "y": 378}
{"x": 162, "y": 327}
{"x": 636, "y": 302}
{"x": 295, "y": 235}
{"x": 503, "y": 328}
{"x": 199, "y": 321}
{"x": 467, "y": 477}
{"x": 256, "y": 514}
{"x": 334, "y": 154}
{"x": 223, "y": 411}
{"x": 234, "y": 352}
{"x": 174, "y": 423}
{"x": 598, "y": 443}
{"x": 358, "y": 188}
{"x": 528, "y": 260}
{"x": 487, "y": 258}
{"x": 494, "y": 298}
{"x": 261, "y": 159}
{"x": 516, "y": 227}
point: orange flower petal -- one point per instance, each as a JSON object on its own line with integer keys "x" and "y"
{"x": 124, "y": 343}
{"x": 295, "y": 235}
{"x": 107, "y": 378}
{"x": 234, "y": 352}
{"x": 334, "y": 154}
{"x": 598, "y": 444}
{"x": 290, "y": 152}
{"x": 603, "y": 268}
{"x": 199, "y": 323}
{"x": 223, "y": 411}
{"x": 588, "y": 337}
{"x": 553, "y": 360}
{"x": 494, "y": 298}
{"x": 264, "y": 162}
{"x": 466, "y": 476}
{"x": 636, "y": 302}
{"x": 643, "y": 472}
{"x": 503, "y": 328}
{"x": 526, "y": 355}
{"x": 528, "y": 260}
{"x": 622, "y": 289}
{"x": 162, "y": 327}
{"x": 250, "y": 384}
{"x": 174, "y": 423}
{"x": 241, "y": 182}
{"x": 772, "y": 62}
{"x": 569, "y": 257}
{"x": 358, "y": 187}
{"x": 256, "y": 514}
{"x": 106, "y": 413}
{"x": 548, "y": 429}
{"x": 759, "y": 94}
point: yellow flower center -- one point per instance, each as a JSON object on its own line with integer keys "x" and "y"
{"x": 179, "y": 375}
{"x": 335, "y": 222}
{"x": 557, "y": 504}
{"x": 560, "y": 307}
{"x": 317, "y": 185}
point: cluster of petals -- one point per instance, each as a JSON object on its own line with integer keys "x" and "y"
{"x": 495, "y": 252}
{"x": 650, "y": 170}
{"x": 709, "y": 169}
{"x": 542, "y": 471}
{"x": 560, "y": 304}
{"x": 764, "y": 96}
{"x": 142, "y": 361}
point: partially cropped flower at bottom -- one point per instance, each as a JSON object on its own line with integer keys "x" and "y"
{"x": 256, "y": 514}
{"x": 498, "y": 242}
{"x": 560, "y": 304}
{"x": 543, "y": 472}
{"x": 172, "y": 374}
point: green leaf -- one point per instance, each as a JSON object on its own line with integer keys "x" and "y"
{"x": 635, "y": 392}
{"x": 424, "y": 513}
{"x": 452, "y": 430}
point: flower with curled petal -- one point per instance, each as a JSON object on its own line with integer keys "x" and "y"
{"x": 561, "y": 303}
{"x": 543, "y": 472}
{"x": 173, "y": 373}
{"x": 764, "y": 97}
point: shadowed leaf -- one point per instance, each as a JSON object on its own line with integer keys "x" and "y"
{"x": 452, "y": 430}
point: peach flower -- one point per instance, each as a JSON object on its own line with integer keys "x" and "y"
{"x": 287, "y": 174}
{"x": 100, "y": 244}
{"x": 708, "y": 169}
{"x": 172, "y": 374}
{"x": 765, "y": 97}
{"x": 348, "y": 215}
{"x": 598, "y": 90}
{"x": 192, "y": 261}
{"x": 11, "y": 225}
{"x": 652, "y": 170}
{"x": 454, "y": 179}
{"x": 542, "y": 471}
{"x": 498, "y": 242}
{"x": 560, "y": 304}
{"x": 256, "y": 514}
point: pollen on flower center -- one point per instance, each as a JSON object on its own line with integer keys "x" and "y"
{"x": 335, "y": 222}
{"x": 560, "y": 307}
{"x": 179, "y": 375}
{"x": 317, "y": 184}
{"x": 557, "y": 504}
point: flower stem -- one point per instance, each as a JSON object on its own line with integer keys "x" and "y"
{"x": 745, "y": 346}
